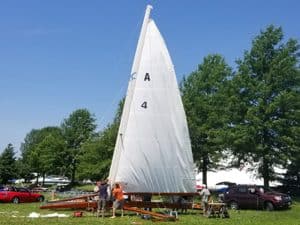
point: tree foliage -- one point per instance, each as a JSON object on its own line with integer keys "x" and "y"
{"x": 204, "y": 100}
{"x": 97, "y": 153}
{"x": 44, "y": 152}
{"x": 7, "y": 164}
{"x": 265, "y": 103}
{"x": 77, "y": 129}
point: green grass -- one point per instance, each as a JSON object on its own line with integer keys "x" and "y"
{"x": 11, "y": 214}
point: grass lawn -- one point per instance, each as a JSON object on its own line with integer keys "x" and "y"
{"x": 16, "y": 214}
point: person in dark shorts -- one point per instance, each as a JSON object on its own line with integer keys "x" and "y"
{"x": 103, "y": 195}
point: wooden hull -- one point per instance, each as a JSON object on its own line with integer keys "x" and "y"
{"x": 137, "y": 204}
{"x": 85, "y": 202}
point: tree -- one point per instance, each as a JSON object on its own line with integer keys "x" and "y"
{"x": 95, "y": 160}
{"x": 49, "y": 156}
{"x": 204, "y": 100}
{"x": 23, "y": 170}
{"x": 94, "y": 163}
{"x": 44, "y": 151}
{"x": 78, "y": 128}
{"x": 265, "y": 103}
{"x": 291, "y": 178}
{"x": 7, "y": 164}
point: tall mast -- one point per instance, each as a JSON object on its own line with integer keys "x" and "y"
{"x": 141, "y": 40}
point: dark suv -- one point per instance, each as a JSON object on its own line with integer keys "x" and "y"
{"x": 255, "y": 197}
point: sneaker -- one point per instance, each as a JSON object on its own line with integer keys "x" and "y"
{"x": 112, "y": 217}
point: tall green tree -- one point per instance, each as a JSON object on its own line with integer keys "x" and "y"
{"x": 204, "y": 98}
{"x": 49, "y": 156}
{"x": 97, "y": 153}
{"x": 77, "y": 129}
{"x": 291, "y": 178}
{"x": 23, "y": 170}
{"x": 44, "y": 152}
{"x": 265, "y": 103}
{"x": 95, "y": 160}
{"x": 7, "y": 164}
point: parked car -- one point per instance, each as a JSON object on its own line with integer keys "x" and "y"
{"x": 18, "y": 195}
{"x": 39, "y": 189}
{"x": 223, "y": 186}
{"x": 255, "y": 197}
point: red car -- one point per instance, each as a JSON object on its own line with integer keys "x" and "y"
{"x": 18, "y": 195}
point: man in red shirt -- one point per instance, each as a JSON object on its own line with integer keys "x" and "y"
{"x": 119, "y": 199}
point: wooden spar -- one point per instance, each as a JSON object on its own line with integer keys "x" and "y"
{"x": 84, "y": 205}
{"x": 70, "y": 205}
{"x": 75, "y": 198}
{"x": 154, "y": 214}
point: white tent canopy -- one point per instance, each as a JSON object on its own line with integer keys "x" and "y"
{"x": 234, "y": 175}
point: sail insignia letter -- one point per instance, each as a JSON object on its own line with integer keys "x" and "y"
{"x": 147, "y": 77}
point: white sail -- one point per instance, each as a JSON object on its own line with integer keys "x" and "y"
{"x": 153, "y": 150}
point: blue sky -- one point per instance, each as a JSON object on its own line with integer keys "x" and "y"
{"x": 61, "y": 55}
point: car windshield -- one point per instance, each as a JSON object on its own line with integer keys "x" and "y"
{"x": 22, "y": 190}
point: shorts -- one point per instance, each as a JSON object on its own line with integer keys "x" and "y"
{"x": 204, "y": 205}
{"x": 118, "y": 204}
{"x": 101, "y": 203}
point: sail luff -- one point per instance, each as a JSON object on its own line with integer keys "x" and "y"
{"x": 137, "y": 56}
{"x": 128, "y": 99}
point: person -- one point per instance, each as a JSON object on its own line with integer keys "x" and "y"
{"x": 119, "y": 199}
{"x": 96, "y": 190}
{"x": 183, "y": 202}
{"x": 205, "y": 194}
{"x": 147, "y": 199}
{"x": 103, "y": 195}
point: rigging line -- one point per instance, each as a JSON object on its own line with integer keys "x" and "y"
{"x": 112, "y": 104}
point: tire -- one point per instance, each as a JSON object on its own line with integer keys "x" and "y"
{"x": 15, "y": 200}
{"x": 233, "y": 205}
{"x": 40, "y": 199}
{"x": 269, "y": 206}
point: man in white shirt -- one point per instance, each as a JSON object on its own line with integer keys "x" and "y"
{"x": 205, "y": 194}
